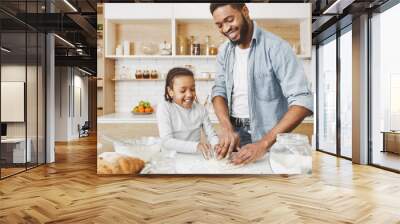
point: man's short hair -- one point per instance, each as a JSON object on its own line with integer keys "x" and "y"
{"x": 237, "y": 6}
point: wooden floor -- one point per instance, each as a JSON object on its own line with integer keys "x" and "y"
{"x": 387, "y": 159}
{"x": 69, "y": 191}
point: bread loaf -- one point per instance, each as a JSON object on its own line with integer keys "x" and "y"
{"x": 115, "y": 163}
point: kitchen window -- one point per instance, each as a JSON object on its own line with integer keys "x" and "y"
{"x": 346, "y": 92}
{"x": 326, "y": 99}
{"x": 385, "y": 89}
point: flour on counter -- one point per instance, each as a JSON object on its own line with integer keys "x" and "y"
{"x": 196, "y": 164}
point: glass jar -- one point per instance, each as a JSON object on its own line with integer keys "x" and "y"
{"x": 154, "y": 74}
{"x": 196, "y": 49}
{"x": 139, "y": 74}
{"x": 146, "y": 74}
{"x": 207, "y": 45}
{"x": 182, "y": 48}
{"x": 291, "y": 154}
{"x": 191, "y": 44}
{"x": 213, "y": 50}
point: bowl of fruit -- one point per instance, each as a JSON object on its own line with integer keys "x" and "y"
{"x": 143, "y": 107}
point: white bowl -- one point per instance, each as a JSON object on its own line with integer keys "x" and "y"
{"x": 145, "y": 148}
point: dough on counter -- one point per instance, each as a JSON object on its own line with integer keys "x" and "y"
{"x": 116, "y": 163}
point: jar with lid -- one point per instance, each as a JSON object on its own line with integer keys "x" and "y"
{"x": 207, "y": 45}
{"x": 182, "y": 46}
{"x": 154, "y": 74}
{"x": 213, "y": 50}
{"x": 139, "y": 74}
{"x": 191, "y": 44}
{"x": 196, "y": 48}
{"x": 291, "y": 154}
{"x": 146, "y": 74}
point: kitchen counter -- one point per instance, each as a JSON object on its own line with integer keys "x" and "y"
{"x": 161, "y": 161}
{"x": 127, "y": 117}
{"x": 183, "y": 163}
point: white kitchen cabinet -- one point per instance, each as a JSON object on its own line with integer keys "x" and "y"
{"x": 156, "y": 23}
{"x": 137, "y": 11}
{"x": 137, "y": 32}
{"x": 141, "y": 23}
{"x": 192, "y": 11}
{"x": 293, "y": 11}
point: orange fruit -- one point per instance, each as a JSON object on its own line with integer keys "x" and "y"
{"x": 151, "y": 109}
{"x": 141, "y": 109}
{"x": 147, "y": 110}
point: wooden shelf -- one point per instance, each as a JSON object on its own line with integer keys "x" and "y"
{"x": 176, "y": 56}
{"x": 161, "y": 56}
{"x": 140, "y": 80}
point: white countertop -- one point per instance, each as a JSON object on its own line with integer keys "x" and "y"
{"x": 183, "y": 163}
{"x": 159, "y": 161}
{"x": 128, "y": 117}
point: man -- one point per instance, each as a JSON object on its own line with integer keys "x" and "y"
{"x": 260, "y": 89}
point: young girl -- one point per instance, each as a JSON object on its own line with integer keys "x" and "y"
{"x": 180, "y": 117}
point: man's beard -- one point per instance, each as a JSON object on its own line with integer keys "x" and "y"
{"x": 244, "y": 29}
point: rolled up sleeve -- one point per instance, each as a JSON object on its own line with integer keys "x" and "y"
{"x": 219, "y": 88}
{"x": 291, "y": 77}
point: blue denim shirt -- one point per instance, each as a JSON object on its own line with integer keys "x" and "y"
{"x": 275, "y": 78}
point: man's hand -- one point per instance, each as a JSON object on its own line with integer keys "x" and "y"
{"x": 205, "y": 150}
{"x": 228, "y": 140}
{"x": 249, "y": 153}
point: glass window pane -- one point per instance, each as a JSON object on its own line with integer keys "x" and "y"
{"x": 13, "y": 86}
{"x": 346, "y": 94}
{"x": 327, "y": 97}
{"x": 385, "y": 86}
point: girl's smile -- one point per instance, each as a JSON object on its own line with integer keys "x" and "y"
{"x": 183, "y": 91}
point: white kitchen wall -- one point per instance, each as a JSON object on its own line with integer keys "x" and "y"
{"x": 129, "y": 93}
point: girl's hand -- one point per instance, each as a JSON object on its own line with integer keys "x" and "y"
{"x": 205, "y": 150}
